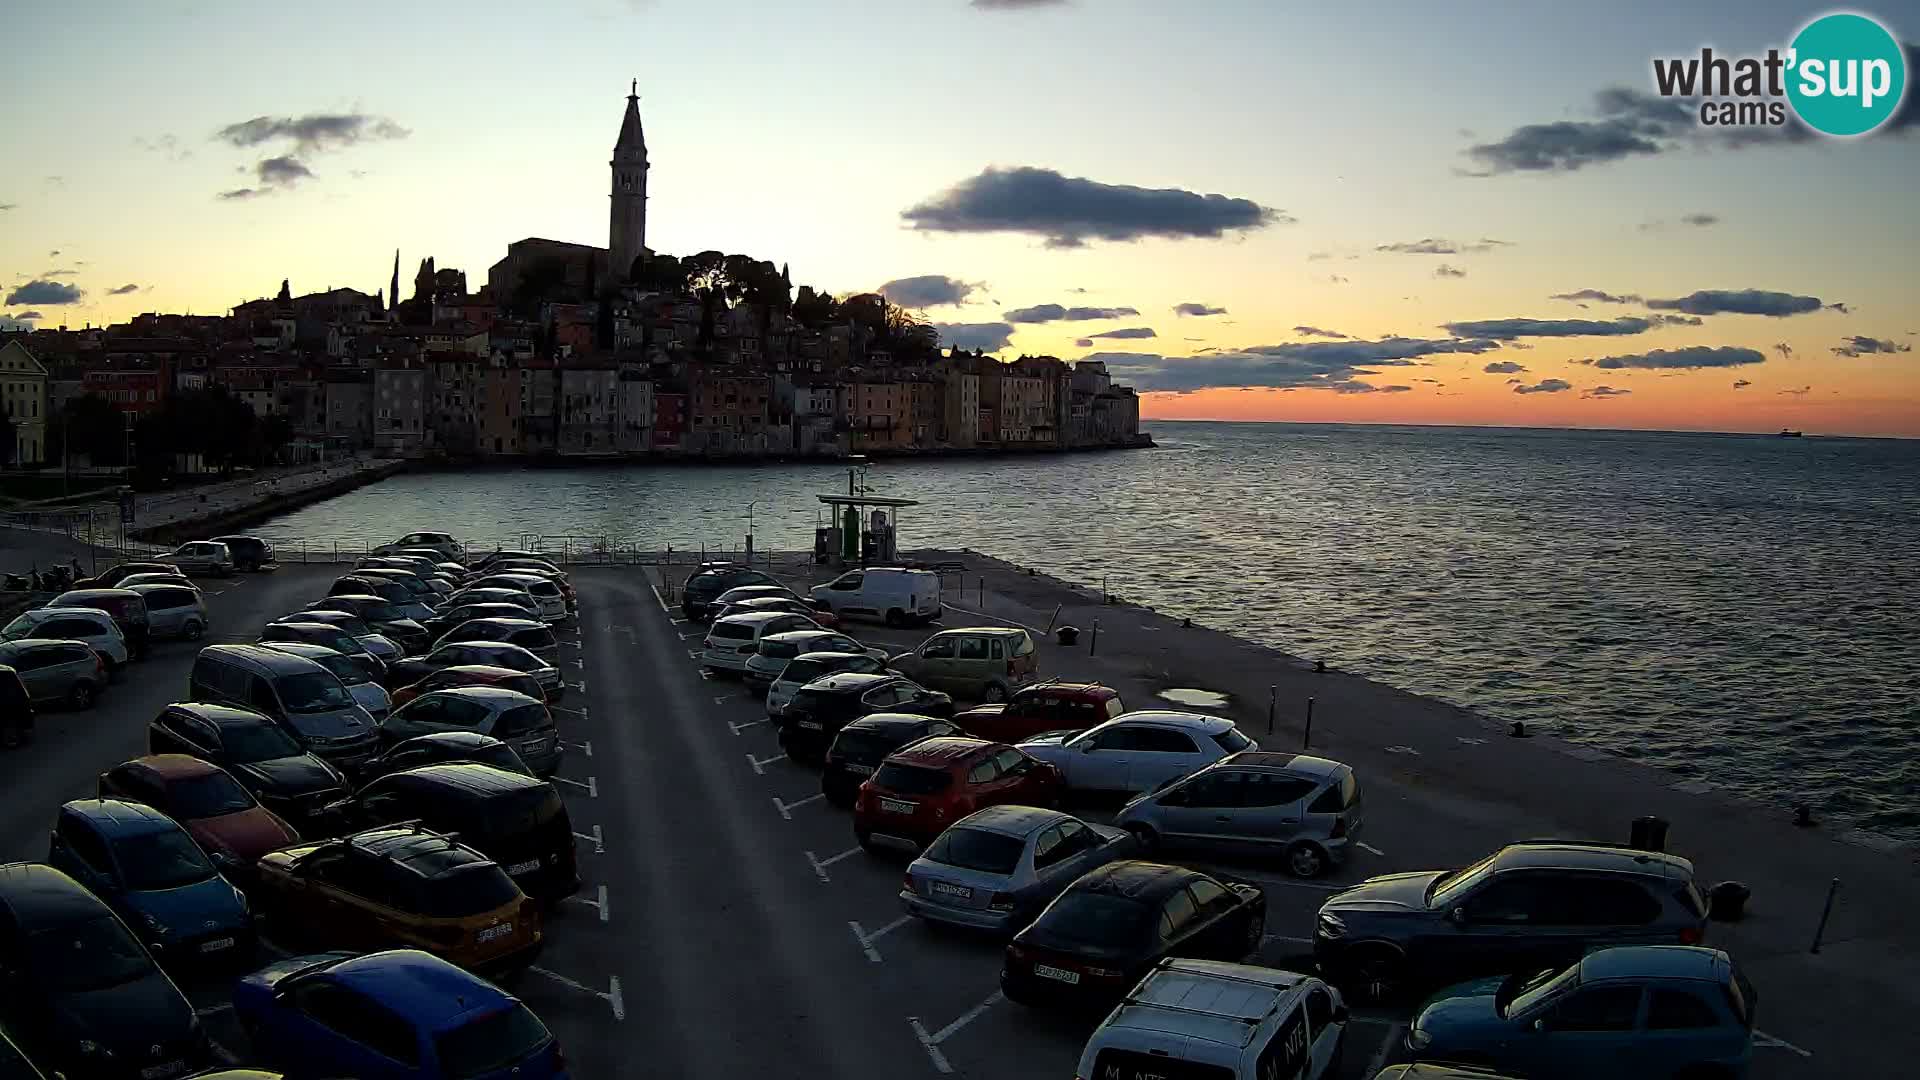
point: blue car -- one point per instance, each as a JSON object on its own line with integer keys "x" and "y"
{"x": 1651, "y": 1012}
{"x": 395, "y": 1015}
{"x": 152, "y": 874}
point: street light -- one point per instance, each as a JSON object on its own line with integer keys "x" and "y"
{"x": 750, "y": 507}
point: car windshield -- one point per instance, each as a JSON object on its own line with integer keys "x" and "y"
{"x": 491, "y": 1043}
{"x": 1541, "y": 987}
{"x": 481, "y": 887}
{"x": 779, "y": 650}
{"x": 864, "y": 743}
{"x": 530, "y": 638}
{"x": 312, "y": 692}
{"x": 89, "y": 955}
{"x": 1232, "y": 741}
{"x": 525, "y": 720}
{"x": 803, "y": 671}
{"x": 208, "y": 795}
{"x": 911, "y": 779}
{"x": 500, "y": 756}
{"x": 1457, "y": 883}
{"x": 248, "y": 743}
{"x": 379, "y": 612}
{"x": 977, "y": 849}
{"x": 1091, "y": 918}
{"x": 166, "y": 860}
{"x": 19, "y": 628}
{"x": 516, "y": 659}
{"x": 345, "y": 668}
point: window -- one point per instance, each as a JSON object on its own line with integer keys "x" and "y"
{"x": 1597, "y": 1008}
{"x": 1121, "y": 738}
{"x": 86, "y": 845}
{"x": 1209, "y": 897}
{"x": 1049, "y": 848}
{"x": 983, "y": 773}
{"x": 972, "y": 647}
{"x": 1215, "y": 790}
{"x": 1266, "y": 789}
{"x": 1158, "y": 740}
{"x": 977, "y": 849}
{"x": 1338, "y": 797}
{"x": 1600, "y": 901}
{"x": 940, "y": 648}
{"x": 1671, "y": 1010}
{"x": 1179, "y": 911}
{"x": 356, "y": 1018}
{"x": 1513, "y": 898}
{"x": 260, "y": 696}
{"x": 1011, "y": 762}
{"x": 491, "y": 1043}
{"x": 1232, "y": 740}
{"x": 997, "y": 649}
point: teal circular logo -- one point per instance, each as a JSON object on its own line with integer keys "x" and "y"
{"x": 1846, "y": 74}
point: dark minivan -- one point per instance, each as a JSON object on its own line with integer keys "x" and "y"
{"x": 864, "y": 743}
{"x": 249, "y": 552}
{"x": 128, "y": 608}
{"x": 697, "y": 595}
{"x": 305, "y": 699}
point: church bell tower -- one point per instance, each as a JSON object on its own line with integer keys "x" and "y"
{"x": 627, "y": 223}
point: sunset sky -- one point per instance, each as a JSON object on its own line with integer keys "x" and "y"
{"x": 1421, "y": 180}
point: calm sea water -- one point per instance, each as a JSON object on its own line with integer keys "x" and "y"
{"x": 1741, "y": 609}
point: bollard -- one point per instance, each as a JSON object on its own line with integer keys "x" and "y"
{"x": 1093, "y": 643}
{"x": 1273, "y": 695}
{"x": 983, "y": 592}
{"x": 1306, "y": 735}
{"x": 1821, "y": 930}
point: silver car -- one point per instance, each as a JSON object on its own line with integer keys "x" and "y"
{"x": 534, "y": 636}
{"x": 359, "y": 677}
{"x": 772, "y": 652}
{"x": 91, "y": 625}
{"x": 995, "y": 869}
{"x": 807, "y": 667}
{"x": 64, "y": 672}
{"x": 1259, "y": 804}
{"x": 200, "y": 557}
{"x": 177, "y": 610}
{"x": 314, "y": 633}
{"x": 515, "y": 719}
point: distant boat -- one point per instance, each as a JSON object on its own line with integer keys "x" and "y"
{"x": 1789, "y": 433}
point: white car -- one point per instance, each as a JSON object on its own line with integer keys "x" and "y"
{"x": 889, "y": 594}
{"x": 91, "y": 625}
{"x": 1206, "y": 1018}
{"x": 773, "y": 651}
{"x": 807, "y": 667}
{"x": 544, "y": 590}
{"x": 1138, "y": 751}
{"x": 732, "y": 639}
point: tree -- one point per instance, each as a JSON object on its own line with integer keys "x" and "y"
{"x": 95, "y": 428}
{"x": 276, "y": 432}
{"x": 816, "y": 307}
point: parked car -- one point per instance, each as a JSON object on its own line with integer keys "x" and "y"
{"x": 128, "y": 608}
{"x": 97, "y": 1006}
{"x": 479, "y": 654}
{"x": 532, "y": 635}
{"x": 91, "y": 625}
{"x": 249, "y": 552}
{"x": 540, "y": 568}
{"x": 219, "y": 812}
{"x": 303, "y": 697}
{"x": 134, "y": 581}
{"x": 14, "y": 1063}
{"x": 821, "y": 708}
{"x": 359, "y": 675}
{"x": 1109, "y": 928}
{"x": 921, "y": 789}
{"x": 174, "y": 610}
{"x": 200, "y": 557}
{"x": 421, "y": 586}
{"x": 995, "y": 869}
{"x": 445, "y": 746}
{"x": 890, "y": 594}
{"x": 486, "y": 562}
{"x": 1139, "y": 751}
{"x": 861, "y": 745}
{"x": 827, "y": 620}
{"x": 1525, "y": 907}
{"x": 402, "y": 886}
{"x": 294, "y": 784}
{"x": 742, "y": 593}
{"x": 517, "y": 821}
{"x": 338, "y": 639}
{"x": 480, "y": 604}
{"x": 1302, "y": 809}
{"x": 16, "y": 710}
{"x": 704, "y": 586}
{"x": 980, "y": 663}
{"x": 808, "y": 667}
{"x": 1204, "y": 1018}
{"x": 66, "y": 673}
{"x": 152, "y": 874}
{"x": 771, "y": 652}
{"x": 387, "y": 1016}
{"x": 441, "y": 543}
{"x": 553, "y": 602}
{"x": 730, "y": 641}
{"x": 1041, "y": 708}
{"x": 405, "y": 603}
{"x": 372, "y": 643}
{"x": 113, "y": 575}
{"x": 382, "y": 616}
{"x": 520, "y": 721}
{"x": 471, "y": 675}
{"x": 1659, "y": 1012}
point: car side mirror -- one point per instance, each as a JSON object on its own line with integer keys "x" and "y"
{"x": 1540, "y": 1024}
{"x": 1458, "y": 916}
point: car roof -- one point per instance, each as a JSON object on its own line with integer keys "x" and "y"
{"x": 942, "y": 751}
{"x": 52, "y": 612}
{"x": 495, "y": 646}
{"x": 301, "y": 648}
{"x": 1058, "y": 686}
{"x": 490, "y": 670}
{"x": 1013, "y": 820}
{"x": 423, "y": 851}
{"x": 835, "y": 658}
{"x": 351, "y": 596}
{"x": 1135, "y": 879}
{"x": 118, "y": 819}
{"x": 1206, "y": 725}
{"x": 1578, "y": 855}
{"x": 506, "y": 622}
{"x": 27, "y": 644}
{"x": 422, "y": 989}
{"x": 1208, "y": 1000}
{"x": 473, "y": 777}
{"x": 493, "y": 697}
{"x": 885, "y": 721}
{"x": 753, "y": 618}
{"x": 1656, "y": 962}
{"x": 275, "y": 661}
{"x": 175, "y": 766}
{"x": 76, "y": 594}
{"x": 1293, "y": 764}
{"x": 145, "y": 587}
{"x": 36, "y": 892}
{"x": 221, "y": 714}
{"x": 1000, "y": 631}
{"x": 849, "y": 681}
{"x": 458, "y": 740}
{"x": 1438, "y": 1070}
{"x": 799, "y": 635}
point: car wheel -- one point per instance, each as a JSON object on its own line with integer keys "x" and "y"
{"x": 81, "y": 696}
{"x": 896, "y": 617}
{"x": 994, "y": 694}
{"x": 1305, "y": 860}
{"x": 1256, "y": 931}
{"x": 195, "y": 631}
{"x": 1145, "y": 837}
{"x": 1376, "y": 972}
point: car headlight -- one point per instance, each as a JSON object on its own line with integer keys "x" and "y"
{"x": 1332, "y": 927}
{"x": 1419, "y": 1038}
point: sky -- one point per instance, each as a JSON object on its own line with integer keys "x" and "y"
{"x": 1394, "y": 213}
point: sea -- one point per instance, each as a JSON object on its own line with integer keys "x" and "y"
{"x": 1742, "y": 610}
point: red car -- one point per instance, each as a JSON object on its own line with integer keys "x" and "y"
{"x": 224, "y": 818}
{"x": 919, "y": 790}
{"x": 1043, "y": 707}
{"x": 471, "y": 675}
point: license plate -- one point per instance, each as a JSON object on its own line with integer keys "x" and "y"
{"x": 533, "y": 746}
{"x": 896, "y": 806}
{"x": 1071, "y": 978}
{"x": 494, "y": 933}
{"x": 859, "y": 770}
{"x": 156, "y": 1072}
{"x": 810, "y": 725}
{"x": 960, "y": 892}
{"x": 216, "y": 944}
{"x": 527, "y": 867}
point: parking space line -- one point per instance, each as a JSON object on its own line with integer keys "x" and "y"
{"x": 1265, "y": 881}
{"x": 591, "y": 787}
{"x": 600, "y": 904}
{"x": 744, "y": 725}
{"x": 611, "y": 995}
{"x": 932, "y": 1042}
{"x": 578, "y": 663}
{"x": 1364, "y": 846}
{"x": 820, "y": 865}
{"x": 866, "y": 940}
{"x": 599, "y": 844}
{"x": 660, "y": 599}
{"x": 585, "y": 747}
{"x": 1761, "y": 1038}
{"x": 580, "y": 686}
{"x": 1387, "y": 1045}
{"x": 693, "y": 654}
{"x": 786, "y": 808}
{"x": 760, "y": 767}
{"x": 690, "y": 637}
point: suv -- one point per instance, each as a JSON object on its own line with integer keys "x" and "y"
{"x": 174, "y": 609}
{"x": 534, "y": 636}
{"x": 864, "y": 743}
{"x": 730, "y": 641}
{"x": 64, "y": 672}
{"x": 984, "y": 663}
{"x": 249, "y": 552}
{"x": 405, "y": 603}
{"x": 891, "y": 594}
{"x": 807, "y": 667}
{"x": 113, "y": 575}
{"x": 520, "y": 721}
{"x": 359, "y": 673}
{"x": 1043, "y": 707}
{"x": 1256, "y": 803}
{"x": 200, "y": 557}
{"x": 128, "y": 608}
{"x": 706, "y": 585}
{"x": 772, "y": 651}
{"x": 1525, "y": 907}
{"x": 1139, "y": 751}
{"x": 327, "y": 629}
{"x": 821, "y": 708}
{"x": 405, "y": 886}
{"x": 265, "y": 760}
{"x": 442, "y": 543}
{"x": 1224, "y": 1021}
{"x": 920, "y": 790}
{"x": 91, "y": 625}
{"x": 309, "y": 701}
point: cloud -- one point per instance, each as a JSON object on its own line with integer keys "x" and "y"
{"x": 1197, "y": 310}
{"x": 241, "y": 193}
{"x": 1127, "y": 332}
{"x": 1336, "y": 279}
{"x": 1368, "y": 388}
{"x": 1314, "y": 331}
{"x": 1677, "y": 320}
{"x": 1544, "y": 386}
{"x": 275, "y": 174}
{"x": 1083, "y": 343}
{"x": 1446, "y": 271}
{"x": 1798, "y": 391}
{"x": 29, "y": 315}
{"x": 1861, "y": 346}
{"x": 1509, "y": 329}
{"x": 1696, "y": 356}
{"x": 123, "y": 290}
{"x": 1319, "y": 256}
{"x": 1840, "y": 307}
{"x": 6, "y": 206}
{"x": 1777, "y": 305}
{"x": 1741, "y": 384}
{"x": 313, "y": 133}
{"x": 164, "y": 144}
{"x": 1290, "y": 365}
{"x": 1504, "y": 367}
{"x": 1699, "y": 221}
{"x": 41, "y": 291}
{"x": 1070, "y": 210}
{"x": 927, "y": 290}
{"x": 1045, "y": 313}
{"x": 989, "y": 337}
{"x": 1432, "y": 246}
{"x": 1604, "y": 392}
{"x": 58, "y": 273}
{"x": 1598, "y": 296}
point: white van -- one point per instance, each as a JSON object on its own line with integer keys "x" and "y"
{"x": 1202, "y": 1018}
{"x": 895, "y": 596}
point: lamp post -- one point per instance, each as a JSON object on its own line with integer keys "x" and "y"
{"x": 750, "y": 507}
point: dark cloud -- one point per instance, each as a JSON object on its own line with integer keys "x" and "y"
{"x": 1197, "y": 310}
{"x": 1604, "y": 392}
{"x": 1127, "y": 332}
{"x": 6, "y": 206}
{"x": 1778, "y": 305}
{"x": 1070, "y": 210}
{"x": 1083, "y": 343}
{"x": 54, "y": 254}
{"x": 1598, "y": 296}
{"x": 1678, "y": 320}
{"x": 1696, "y": 356}
{"x": 1446, "y": 271}
{"x": 42, "y": 291}
{"x": 1314, "y": 331}
{"x": 1861, "y": 346}
{"x": 1509, "y": 329}
{"x": 1840, "y": 307}
{"x": 1368, "y": 388}
{"x": 58, "y": 273}
{"x": 1741, "y": 384}
{"x": 313, "y": 133}
{"x": 1336, "y": 279}
{"x": 240, "y": 193}
{"x": 283, "y": 171}
{"x": 1045, "y": 313}
{"x": 1291, "y": 365}
{"x": 123, "y": 290}
{"x": 1504, "y": 367}
{"x": 991, "y": 337}
{"x": 1432, "y": 246}
{"x": 1544, "y": 386}
{"x": 29, "y": 315}
{"x": 927, "y": 290}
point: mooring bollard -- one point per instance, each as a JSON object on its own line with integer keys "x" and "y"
{"x": 1273, "y": 696}
{"x": 1821, "y": 930}
{"x": 1306, "y": 734}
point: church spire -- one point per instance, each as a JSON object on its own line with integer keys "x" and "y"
{"x": 393, "y": 289}
{"x": 632, "y": 139}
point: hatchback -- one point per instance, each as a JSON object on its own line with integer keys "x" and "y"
{"x": 200, "y": 557}
{"x": 808, "y": 667}
{"x": 996, "y": 868}
{"x": 128, "y": 608}
{"x": 772, "y": 651}
{"x": 743, "y": 593}
{"x": 797, "y": 606}
{"x": 56, "y": 672}
{"x": 479, "y": 654}
{"x": 374, "y": 643}
{"x": 981, "y": 663}
{"x": 459, "y": 611}
{"x": 113, "y": 575}
{"x": 443, "y": 747}
{"x": 381, "y": 615}
{"x": 424, "y": 587}
{"x": 730, "y": 641}
{"x": 99, "y": 1006}
{"x": 91, "y": 625}
{"x": 821, "y": 708}
{"x": 519, "y": 721}
{"x": 133, "y": 581}
{"x": 706, "y": 585}
{"x": 1139, "y": 751}
{"x": 152, "y": 874}
{"x": 534, "y": 636}
{"x": 404, "y": 602}
{"x": 174, "y": 610}
{"x": 1305, "y": 810}
{"x": 920, "y": 790}
{"x": 249, "y": 552}
{"x": 357, "y": 673}
{"x": 1043, "y": 707}
{"x": 864, "y": 743}
{"x": 471, "y": 675}
{"x": 254, "y": 750}
{"x": 553, "y": 602}
{"x": 222, "y": 816}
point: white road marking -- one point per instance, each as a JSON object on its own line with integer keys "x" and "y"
{"x": 614, "y": 1000}
{"x": 1403, "y": 750}
{"x": 1264, "y": 881}
{"x": 1387, "y": 1046}
{"x": 820, "y": 865}
{"x": 599, "y": 843}
{"x": 580, "y": 686}
{"x": 662, "y": 600}
{"x": 1761, "y": 1038}
{"x": 1364, "y": 846}
{"x": 600, "y": 904}
{"x": 932, "y": 1042}
{"x": 690, "y": 637}
{"x": 760, "y": 767}
{"x": 693, "y": 654}
{"x": 585, "y": 747}
{"x": 866, "y": 940}
{"x": 578, "y": 663}
{"x": 786, "y": 808}
{"x": 591, "y": 787}
{"x": 611, "y": 995}
{"x": 740, "y": 727}
{"x": 1469, "y": 742}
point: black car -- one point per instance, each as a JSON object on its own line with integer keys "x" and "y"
{"x": 442, "y": 747}
{"x": 488, "y": 653}
{"x": 517, "y": 821}
{"x": 78, "y": 991}
{"x": 113, "y": 575}
{"x": 821, "y": 708}
{"x": 863, "y": 744}
{"x": 257, "y": 752}
{"x": 382, "y": 616}
{"x": 393, "y": 592}
{"x": 16, "y": 710}
{"x": 249, "y": 552}
{"x": 463, "y": 611}
{"x": 697, "y": 594}
{"x": 1101, "y": 936}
